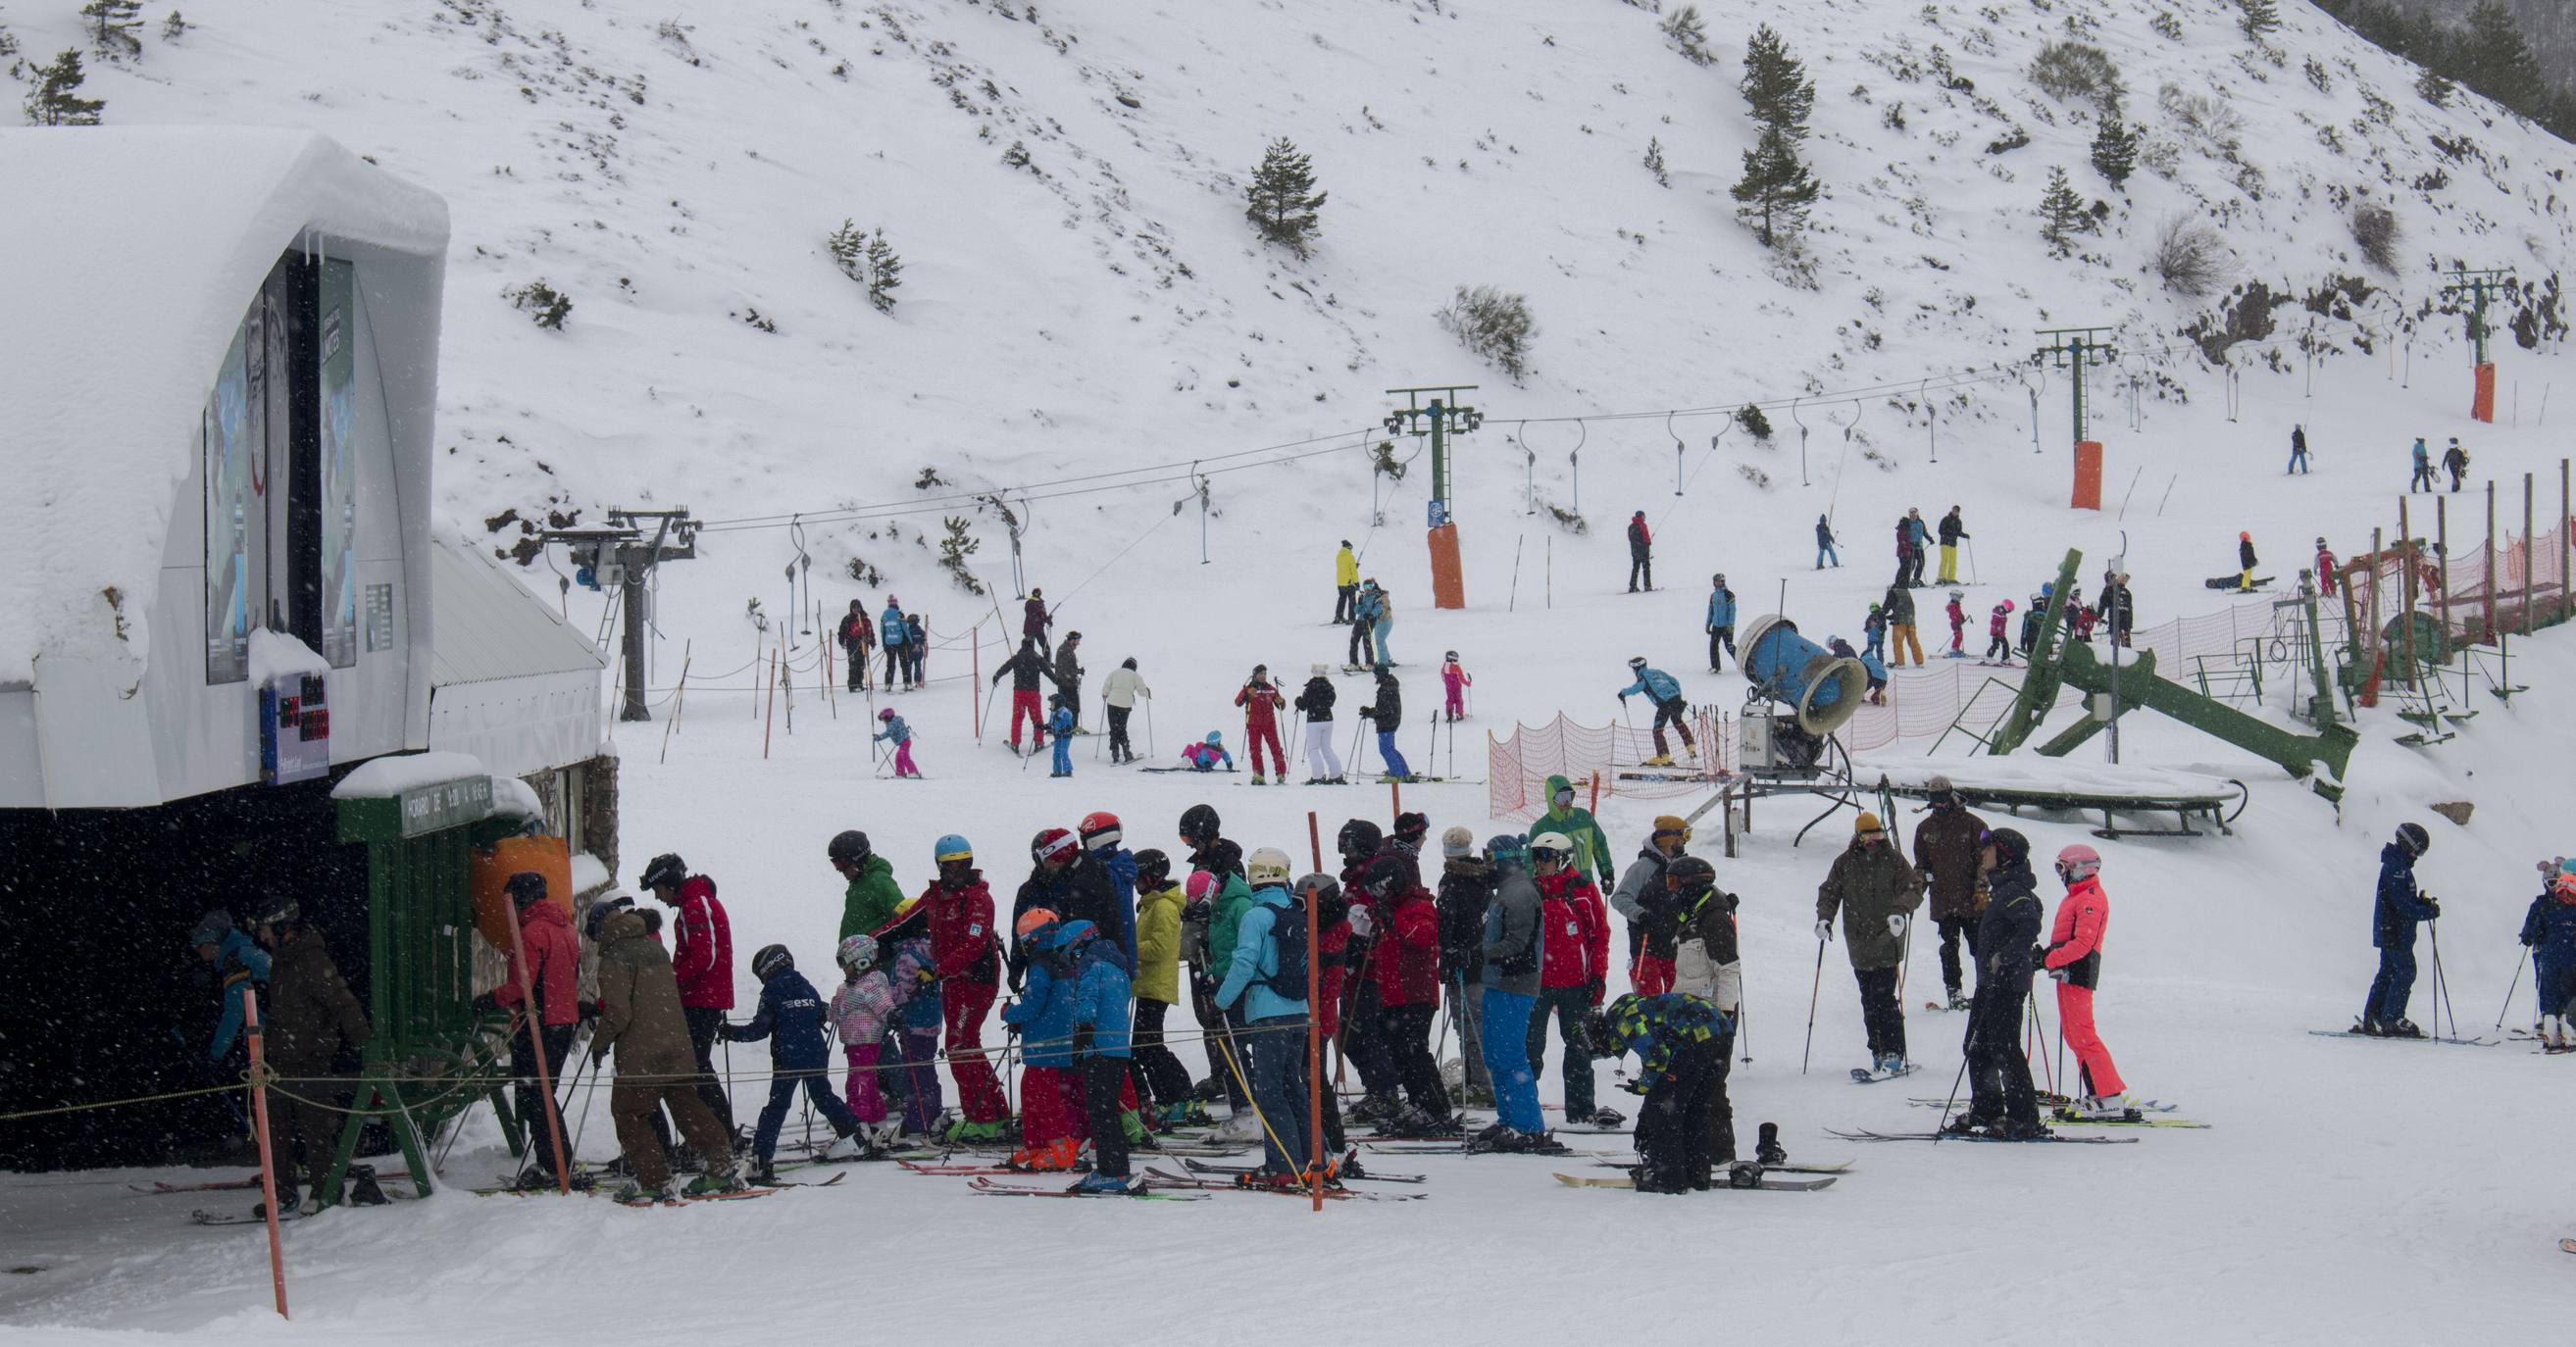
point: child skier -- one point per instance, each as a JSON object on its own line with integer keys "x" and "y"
{"x": 2550, "y": 930}
{"x": 791, "y": 1018}
{"x": 900, "y": 735}
{"x": 1406, "y": 964}
{"x": 1670, "y": 709}
{"x": 860, "y": 1009}
{"x": 1677, "y": 1038}
{"x": 1060, "y": 724}
{"x": 1051, "y": 1113}
{"x": 1454, "y": 681}
{"x": 2074, "y": 958}
{"x": 1205, "y": 755}
{"x": 1706, "y": 967}
{"x": 2399, "y": 906}
{"x": 1998, "y": 646}
{"x": 2030, "y": 622}
{"x": 1100, "y": 1048}
{"x": 1873, "y": 631}
{"x": 1958, "y": 625}
{"x": 904, "y": 950}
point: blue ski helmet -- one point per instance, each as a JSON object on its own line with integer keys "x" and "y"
{"x": 1215, "y": 737}
{"x": 952, "y": 848}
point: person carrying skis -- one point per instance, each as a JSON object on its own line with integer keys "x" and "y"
{"x": 1068, "y": 675}
{"x": 1574, "y": 949}
{"x": 1998, "y": 645}
{"x": 900, "y": 735}
{"x": 2245, "y": 562}
{"x": 966, "y": 961}
{"x": 1958, "y": 615}
{"x": 1591, "y": 842}
{"x": 1119, "y": 692}
{"x": 545, "y": 1017}
{"x": 2455, "y": 461}
{"x": 1873, "y": 631}
{"x": 2001, "y": 1101}
{"x": 1034, "y": 617}
{"x": 1208, "y": 753}
{"x": 1261, "y": 704}
{"x": 1346, "y": 582}
{"x": 1645, "y": 900}
{"x": 1720, "y": 620}
{"x": 1265, "y": 985}
{"x": 1024, "y": 670}
{"x": 2397, "y": 909}
{"x": 2074, "y": 958}
{"x": 2423, "y": 469}
{"x": 2549, "y": 931}
{"x": 1511, "y": 950}
{"x": 1454, "y": 682}
{"x": 857, "y": 637}
{"x": 1387, "y": 713}
{"x": 891, "y": 633}
{"x": 1825, "y": 543}
{"x": 1466, "y": 890}
{"x": 1406, "y": 956}
{"x": 2298, "y": 450}
{"x": 861, "y": 1011}
{"x": 1166, "y": 1083}
{"x": 1363, "y": 619}
{"x": 1875, "y": 891}
{"x": 1101, "y": 1049}
{"x": 702, "y": 964}
{"x": 1899, "y": 606}
{"x": 1670, "y": 709}
{"x": 2325, "y": 571}
{"x": 790, "y": 1016}
{"x": 239, "y": 962}
{"x": 1707, "y": 967}
{"x": 1641, "y": 552}
{"x": 1316, "y": 701}
{"x": 1945, "y": 855}
{"x": 1952, "y": 529}
{"x": 1053, "y": 1124}
{"x": 643, "y": 1020}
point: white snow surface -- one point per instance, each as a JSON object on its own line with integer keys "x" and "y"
{"x": 386, "y": 777}
{"x": 134, "y": 253}
{"x": 2034, "y": 773}
{"x": 2347, "y": 1191}
{"x": 275, "y": 654}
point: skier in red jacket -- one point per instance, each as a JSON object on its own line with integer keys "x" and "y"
{"x": 1574, "y": 959}
{"x": 702, "y": 961}
{"x": 965, "y": 957}
{"x": 551, "y": 957}
{"x": 1261, "y": 705}
{"x": 2074, "y": 958}
{"x": 1407, "y": 969}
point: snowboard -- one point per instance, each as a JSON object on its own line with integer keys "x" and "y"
{"x": 2428, "y": 1038}
{"x": 1768, "y": 1184}
{"x": 2234, "y": 581}
{"x": 991, "y": 1189}
{"x": 203, "y": 1217}
{"x": 1862, "y": 1076}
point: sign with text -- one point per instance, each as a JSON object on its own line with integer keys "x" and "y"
{"x": 448, "y": 804}
{"x": 294, "y": 729}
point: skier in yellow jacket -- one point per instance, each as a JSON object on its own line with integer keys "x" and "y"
{"x": 1346, "y": 582}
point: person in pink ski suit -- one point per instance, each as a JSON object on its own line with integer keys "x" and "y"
{"x": 1455, "y": 681}
{"x": 2074, "y": 958}
{"x": 859, "y": 1010}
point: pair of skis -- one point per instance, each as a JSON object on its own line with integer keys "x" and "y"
{"x": 1980, "y": 1137}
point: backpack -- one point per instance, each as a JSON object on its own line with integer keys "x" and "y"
{"x": 1288, "y": 980}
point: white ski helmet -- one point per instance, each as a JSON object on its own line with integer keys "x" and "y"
{"x": 1548, "y": 847}
{"x": 1268, "y": 865}
{"x": 858, "y": 954}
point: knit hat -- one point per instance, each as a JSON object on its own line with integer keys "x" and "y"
{"x": 1671, "y": 825}
{"x": 1866, "y": 823}
{"x": 1457, "y": 841}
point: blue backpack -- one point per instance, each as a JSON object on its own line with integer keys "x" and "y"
{"x": 1288, "y": 931}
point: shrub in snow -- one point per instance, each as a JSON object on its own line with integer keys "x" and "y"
{"x": 111, "y": 25}
{"x": 1754, "y": 422}
{"x": 2316, "y": 73}
{"x": 869, "y": 260}
{"x": 56, "y": 99}
{"x": 1492, "y": 323}
{"x": 2205, "y": 116}
{"x": 2166, "y": 25}
{"x": 1282, "y": 202}
{"x": 1018, "y": 157}
{"x": 2190, "y": 257}
{"x": 2062, "y": 215}
{"x": 2434, "y": 89}
{"x": 953, "y": 552}
{"x": 2073, "y": 72}
{"x": 864, "y": 573}
{"x": 1655, "y": 161}
{"x": 544, "y": 305}
{"x": 2375, "y": 232}
{"x": 1686, "y": 30}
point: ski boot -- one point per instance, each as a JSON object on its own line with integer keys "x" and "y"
{"x": 1134, "y": 1127}
{"x": 1957, "y": 1001}
{"x": 684, "y": 1160}
{"x": 1744, "y": 1174}
{"x": 2403, "y": 1028}
{"x": 1607, "y": 1117}
{"x": 1767, "y": 1148}
{"x": 2015, "y": 1129}
{"x": 1659, "y": 760}
{"x": 709, "y": 1184}
{"x": 762, "y": 1174}
{"x": 2367, "y": 1027}
{"x": 634, "y": 1193}
{"x": 1186, "y": 1113}
{"x": 1058, "y": 1155}
{"x": 1967, "y": 1125}
{"x": 975, "y": 1134}
{"x": 1260, "y": 780}
{"x": 1376, "y": 1108}
{"x": 2102, "y": 1108}
{"x": 1282, "y": 1180}
{"x": 1105, "y": 1185}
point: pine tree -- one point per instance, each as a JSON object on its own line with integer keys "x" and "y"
{"x": 2062, "y": 215}
{"x": 885, "y": 271}
{"x": 56, "y": 100}
{"x": 1282, "y": 198}
{"x": 112, "y": 24}
{"x": 2115, "y": 146}
{"x": 2258, "y": 18}
{"x": 2491, "y": 57}
{"x": 849, "y": 246}
{"x": 1690, "y": 34}
{"x": 1655, "y": 161}
{"x": 1776, "y": 188}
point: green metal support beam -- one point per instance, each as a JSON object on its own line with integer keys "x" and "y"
{"x": 2039, "y": 687}
{"x": 2298, "y": 754}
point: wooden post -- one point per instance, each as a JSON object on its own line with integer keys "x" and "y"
{"x": 2369, "y": 629}
{"x": 1314, "y": 1049}
{"x": 2526, "y": 554}
{"x": 267, "y": 1162}
{"x": 1396, "y": 789}
{"x": 1314, "y": 844}
{"x": 535, "y": 1017}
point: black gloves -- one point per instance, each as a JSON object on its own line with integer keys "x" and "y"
{"x": 588, "y": 1010}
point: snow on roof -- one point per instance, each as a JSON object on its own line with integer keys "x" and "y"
{"x": 489, "y": 626}
{"x": 386, "y": 777}
{"x": 134, "y": 252}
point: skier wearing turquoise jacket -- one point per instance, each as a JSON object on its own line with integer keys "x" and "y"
{"x": 1060, "y": 724}
{"x": 1101, "y": 1047}
{"x": 1591, "y": 848}
{"x": 1253, "y": 967}
{"x": 1670, "y": 709}
{"x": 890, "y": 636}
{"x": 238, "y": 961}
{"x": 1720, "y": 620}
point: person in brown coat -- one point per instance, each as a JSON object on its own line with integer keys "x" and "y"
{"x": 1945, "y": 852}
{"x": 1876, "y": 893}
{"x": 640, "y": 1018}
{"x": 311, "y": 1015}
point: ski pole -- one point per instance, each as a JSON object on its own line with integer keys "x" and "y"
{"x": 1744, "y": 1032}
{"x": 2441, "y": 984}
{"x": 1149, "y": 724}
{"x": 2510, "y": 990}
{"x": 1953, "y": 1100}
{"x": 1812, "y": 993}
{"x": 1356, "y": 761}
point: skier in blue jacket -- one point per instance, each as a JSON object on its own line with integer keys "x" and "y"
{"x": 1670, "y": 709}
{"x": 791, "y": 1018}
{"x": 2549, "y": 928}
{"x": 1101, "y": 1048}
{"x": 1268, "y": 1014}
{"x": 2399, "y": 907}
{"x": 239, "y": 962}
{"x": 891, "y": 635}
{"x": 1060, "y": 724}
{"x": 1720, "y": 620}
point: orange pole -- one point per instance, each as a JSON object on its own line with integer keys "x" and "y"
{"x": 1314, "y": 841}
{"x": 1314, "y": 1055}
{"x": 267, "y": 1163}
{"x": 1396, "y": 789}
{"x": 534, "y": 1017}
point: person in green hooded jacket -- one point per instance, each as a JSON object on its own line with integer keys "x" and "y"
{"x": 873, "y": 895}
{"x": 1591, "y": 848}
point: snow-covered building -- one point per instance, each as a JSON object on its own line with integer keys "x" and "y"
{"x": 220, "y": 595}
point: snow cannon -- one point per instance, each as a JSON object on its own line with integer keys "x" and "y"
{"x": 1820, "y": 689}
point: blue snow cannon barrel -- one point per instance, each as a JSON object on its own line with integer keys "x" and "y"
{"x": 1823, "y": 689}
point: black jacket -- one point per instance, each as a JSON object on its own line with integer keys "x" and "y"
{"x": 1466, "y": 888}
{"x": 1025, "y": 669}
{"x": 1082, "y": 891}
{"x": 1317, "y": 700}
{"x": 1951, "y": 530}
{"x": 2006, "y": 934}
{"x": 1899, "y": 604}
{"x": 1388, "y": 710}
{"x": 1637, "y": 538}
{"x": 2245, "y": 553}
